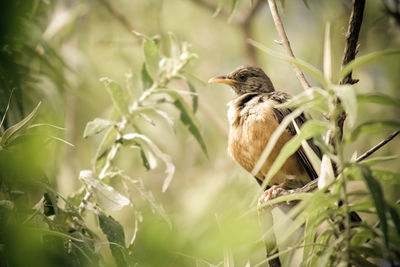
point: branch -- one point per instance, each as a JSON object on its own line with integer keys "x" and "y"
{"x": 353, "y": 31}
{"x": 285, "y": 42}
{"x": 118, "y": 15}
{"x": 378, "y": 146}
{"x": 350, "y": 50}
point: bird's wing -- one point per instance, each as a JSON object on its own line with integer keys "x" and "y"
{"x": 280, "y": 114}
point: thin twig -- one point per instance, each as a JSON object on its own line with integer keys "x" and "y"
{"x": 119, "y": 16}
{"x": 285, "y": 42}
{"x": 376, "y": 147}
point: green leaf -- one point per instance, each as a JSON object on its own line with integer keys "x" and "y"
{"x": 105, "y": 195}
{"x": 308, "y": 130}
{"x": 233, "y": 10}
{"x": 147, "y": 81}
{"x": 219, "y": 7}
{"x": 187, "y": 117}
{"x": 349, "y": 100}
{"x": 195, "y": 98}
{"x": 365, "y": 59}
{"x": 387, "y": 177}
{"x": 312, "y": 96}
{"x": 312, "y": 70}
{"x": 327, "y": 54}
{"x": 149, "y": 197}
{"x": 116, "y": 238}
{"x": 13, "y": 131}
{"x": 377, "y": 160}
{"x": 378, "y": 198}
{"x": 395, "y": 217}
{"x": 96, "y": 126}
{"x": 162, "y": 114}
{"x": 170, "y": 168}
{"x": 378, "y": 98}
{"x": 372, "y": 127}
{"x": 148, "y": 159}
{"x": 150, "y": 50}
{"x": 118, "y": 95}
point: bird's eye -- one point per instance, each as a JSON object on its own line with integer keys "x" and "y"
{"x": 242, "y": 77}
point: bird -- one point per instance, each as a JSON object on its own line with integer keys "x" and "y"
{"x": 253, "y": 116}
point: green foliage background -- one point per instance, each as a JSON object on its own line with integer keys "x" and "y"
{"x": 55, "y": 53}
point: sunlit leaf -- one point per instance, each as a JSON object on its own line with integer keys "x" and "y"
{"x": 150, "y": 50}
{"x": 118, "y": 95}
{"x": 13, "y": 131}
{"x": 96, "y": 126}
{"x": 116, "y": 236}
{"x": 309, "y": 130}
{"x": 327, "y": 54}
{"x": 105, "y": 195}
{"x": 372, "y": 127}
{"x": 219, "y": 7}
{"x": 378, "y": 198}
{"x": 312, "y": 70}
{"x": 162, "y": 114}
{"x": 349, "y": 100}
{"x": 170, "y": 168}
{"x": 311, "y": 96}
{"x": 378, "y": 98}
{"x": 365, "y": 59}
{"x": 327, "y": 175}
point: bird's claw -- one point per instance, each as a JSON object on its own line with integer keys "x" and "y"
{"x": 269, "y": 194}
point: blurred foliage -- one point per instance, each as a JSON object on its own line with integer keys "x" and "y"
{"x": 103, "y": 201}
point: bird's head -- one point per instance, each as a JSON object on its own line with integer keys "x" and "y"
{"x": 246, "y": 79}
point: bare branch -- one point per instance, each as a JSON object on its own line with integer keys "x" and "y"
{"x": 285, "y": 42}
{"x": 377, "y": 147}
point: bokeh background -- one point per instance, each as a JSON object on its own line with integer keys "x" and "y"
{"x": 56, "y": 52}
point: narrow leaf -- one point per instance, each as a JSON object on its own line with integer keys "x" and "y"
{"x": 312, "y": 70}
{"x": 147, "y": 81}
{"x": 12, "y": 132}
{"x": 309, "y": 130}
{"x": 169, "y": 167}
{"x": 116, "y": 236}
{"x": 105, "y": 195}
{"x": 327, "y": 54}
{"x": 373, "y": 127}
{"x": 349, "y": 100}
{"x": 149, "y": 197}
{"x": 378, "y": 198}
{"x": 187, "y": 117}
{"x": 395, "y": 217}
{"x": 151, "y": 58}
{"x": 365, "y": 59}
{"x": 118, "y": 95}
{"x": 378, "y": 98}
{"x": 96, "y": 126}
{"x": 195, "y": 98}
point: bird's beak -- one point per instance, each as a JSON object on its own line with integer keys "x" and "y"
{"x": 222, "y": 79}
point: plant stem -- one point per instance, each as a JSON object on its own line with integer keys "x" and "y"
{"x": 286, "y": 44}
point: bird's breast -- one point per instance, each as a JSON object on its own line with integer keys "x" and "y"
{"x": 251, "y": 126}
